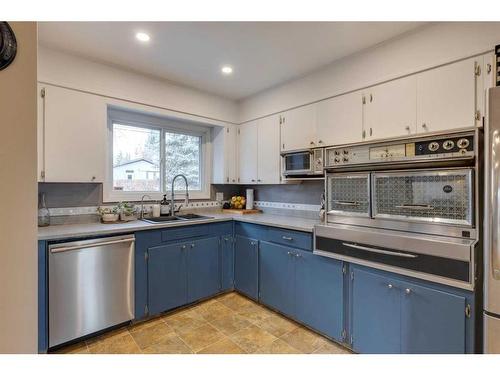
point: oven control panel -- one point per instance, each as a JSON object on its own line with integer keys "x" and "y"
{"x": 450, "y": 146}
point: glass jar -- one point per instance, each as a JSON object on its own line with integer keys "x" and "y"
{"x": 43, "y": 212}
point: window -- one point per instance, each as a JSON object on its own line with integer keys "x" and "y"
{"x": 148, "y": 151}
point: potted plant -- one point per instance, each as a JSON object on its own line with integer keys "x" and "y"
{"x": 108, "y": 214}
{"x": 127, "y": 211}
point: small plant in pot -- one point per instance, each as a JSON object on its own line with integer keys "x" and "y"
{"x": 108, "y": 214}
{"x": 127, "y": 211}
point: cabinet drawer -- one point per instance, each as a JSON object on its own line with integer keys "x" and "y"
{"x": 175, "y": 234}
{"x": 291, "y": 238}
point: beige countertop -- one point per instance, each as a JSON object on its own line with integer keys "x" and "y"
{"x": 55, "y": 232}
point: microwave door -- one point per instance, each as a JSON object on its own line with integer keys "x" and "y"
{"x": 298, "y": 163}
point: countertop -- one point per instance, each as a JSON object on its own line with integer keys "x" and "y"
{"x": 55, "y": 232}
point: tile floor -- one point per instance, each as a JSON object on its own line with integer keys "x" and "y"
{"x": 226, "y": 324}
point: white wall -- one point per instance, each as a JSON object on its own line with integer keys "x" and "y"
{"x": 18, "y": 226}
{"x": 70, "y": 71}
{"x": 429, "y": 46}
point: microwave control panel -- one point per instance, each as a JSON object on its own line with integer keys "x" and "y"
{"x": 452, "y": 146}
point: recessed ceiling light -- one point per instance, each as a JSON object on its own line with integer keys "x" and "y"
{"x": 226, "y": 69}
{"x": 143, "y": 37}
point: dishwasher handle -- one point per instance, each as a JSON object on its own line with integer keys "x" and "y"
{"x": 89, "y": 245}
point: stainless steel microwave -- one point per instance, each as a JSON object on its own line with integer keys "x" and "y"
{"x": 303, "y": 163}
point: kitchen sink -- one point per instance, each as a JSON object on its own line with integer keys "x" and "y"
{"x": 167, "y": 219}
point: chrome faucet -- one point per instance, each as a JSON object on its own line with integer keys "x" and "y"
{"x": 186, "y": 202}
{"x": 142, "y": 204}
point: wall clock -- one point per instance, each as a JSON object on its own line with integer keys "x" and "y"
{"x": 8, "y": 45}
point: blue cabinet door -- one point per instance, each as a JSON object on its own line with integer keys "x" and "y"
{"x": 433, "y": 321}
{"x": 375, "y": 312}
{"x": 246, "y": 266}
{"x": 203, "y": 268}
{"x": 227, "y": 263}
{"x": 167, "y": 277}
{"x": 277, "y": 277}
{"x": 319, "y": 293}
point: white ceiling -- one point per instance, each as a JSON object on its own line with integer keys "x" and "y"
{"x": 263, "y": 54}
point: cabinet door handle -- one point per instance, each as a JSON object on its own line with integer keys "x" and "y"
{"x": 424, "y": 126}
{"x": 287, "y": 238}
{"x": 407, "y": 290}
{"x": 183, "y": 247}
{"x": 407, "y": 129}
{"x": 390, "y": 286}
{"x": 298, "y": 255}
{"x": 289, "y": 253}
{"x": 192, "y": 245}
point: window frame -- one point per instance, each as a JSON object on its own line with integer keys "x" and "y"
{"x": 164, "y": 125}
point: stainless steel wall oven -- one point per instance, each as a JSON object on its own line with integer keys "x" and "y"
{"x": 406, "y": 205}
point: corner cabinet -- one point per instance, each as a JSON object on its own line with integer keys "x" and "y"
{"x": 258, "y": 151}
{"x": 394, "y": 314}
{"x": 246, "y": 266}
{"x": 72, "y": 133}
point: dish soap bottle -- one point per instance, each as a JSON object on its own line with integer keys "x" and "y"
{"x": 43, "y": 212}
{"x": 164, "y": 210}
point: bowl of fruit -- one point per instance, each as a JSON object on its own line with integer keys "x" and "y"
{"x": 238, "y": 202}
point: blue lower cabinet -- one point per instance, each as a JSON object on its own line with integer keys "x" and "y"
{"x": 167, "y": 277}
{"x": 433, "y": 321}
{"x": 375, "y": 313}
{"x": 227, "y": 262}
{"x": 394, "y": 314}
{"x": 246, "y": 266}
{"x": 319, "y": 293}
{"x": 203, "y": 268}
{"x": 277, "y": 277}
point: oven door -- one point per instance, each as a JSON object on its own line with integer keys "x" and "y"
{"x": 298, "y": 163}
{"x": 433, "y": 196}
{"x": 348, "y": 194}
{"x": 445, "y": 260}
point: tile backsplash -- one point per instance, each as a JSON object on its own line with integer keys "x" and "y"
{"x": 61, "y": 195}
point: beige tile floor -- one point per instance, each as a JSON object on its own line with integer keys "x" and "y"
{"x": 227, "y": 324}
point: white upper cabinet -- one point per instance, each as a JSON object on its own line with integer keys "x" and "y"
{"x": 74, "y": 128}
{"x": 225, "y": 168}
{"x": 268, "y": 151}
{"x": 298, "y": 128}
{"x": 247, "y": 152}
{"x": 446, "y": 96}
{"x": 340, "y": 120}
{"x": 389, "y": 109}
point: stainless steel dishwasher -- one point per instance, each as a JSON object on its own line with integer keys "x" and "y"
{"x": 91, "y": 286}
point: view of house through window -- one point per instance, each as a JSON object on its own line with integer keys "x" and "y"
{"x": 136, "y": 158}
{"x": 145, "y": 159}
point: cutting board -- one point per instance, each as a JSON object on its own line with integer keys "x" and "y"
{"x": 240, "y": 211}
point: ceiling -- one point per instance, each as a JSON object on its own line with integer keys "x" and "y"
{"x": 263, "y": 54}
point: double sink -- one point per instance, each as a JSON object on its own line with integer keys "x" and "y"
{"x": 175, "y": 218}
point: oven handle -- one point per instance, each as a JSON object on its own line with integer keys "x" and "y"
{"x": 347, "y": 203}
{"x": 379, "y": 251}
{"x": 416, "y": 206}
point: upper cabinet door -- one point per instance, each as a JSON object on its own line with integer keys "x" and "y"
{"x": 268, "y": 150}
{"x": 390, "y": 109}
{"x": 446, "y": 97}
{"x": 75, "y": 136}
{"x": 247, "y": 152}
{"x": 298, "y": 128}
{"x": 340, "y": 120}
